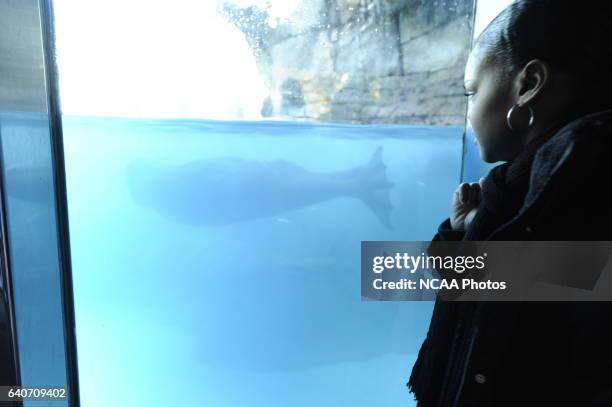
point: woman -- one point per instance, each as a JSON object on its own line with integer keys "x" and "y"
{"x": 539, "y": 83}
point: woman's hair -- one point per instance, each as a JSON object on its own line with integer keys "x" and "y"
{"x": 572, "y": 37}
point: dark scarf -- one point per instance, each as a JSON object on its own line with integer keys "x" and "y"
{"x": 503, "y": 192}
{"x": 502, "y": 196}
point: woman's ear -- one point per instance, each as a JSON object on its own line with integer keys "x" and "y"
{"x": 531, "y": 81}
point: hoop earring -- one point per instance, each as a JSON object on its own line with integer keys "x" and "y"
{"x": 511, "y": 112}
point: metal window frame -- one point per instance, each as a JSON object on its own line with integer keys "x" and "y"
{"x": 5, "y": 275}
{"x": 47, "y": 19}
{"x": 47, "y": 36}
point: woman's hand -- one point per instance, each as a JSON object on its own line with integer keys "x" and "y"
{"x": 465, "y": 204}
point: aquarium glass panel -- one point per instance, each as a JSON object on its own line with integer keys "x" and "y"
{"x": 224, "y": 161}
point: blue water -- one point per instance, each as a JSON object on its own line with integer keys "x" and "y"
{"x": 264, "y": 308}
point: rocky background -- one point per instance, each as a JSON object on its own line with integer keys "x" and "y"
{"x": 362, "y": 61}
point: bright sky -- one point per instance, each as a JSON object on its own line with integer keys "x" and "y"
{"x": 151, "y": 58}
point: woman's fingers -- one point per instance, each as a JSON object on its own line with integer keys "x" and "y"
{"x": 475, "y": 193}
{"x": 461, "y": 193}
{"x": 465, "y": 192}
{"x": 469, "y": 192}
{"x": 469, "y": 218}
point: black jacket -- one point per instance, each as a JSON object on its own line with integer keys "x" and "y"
{"x": 539, "y": 353}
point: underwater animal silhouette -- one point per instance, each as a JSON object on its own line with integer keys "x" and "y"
{"x": 226, "y": 190}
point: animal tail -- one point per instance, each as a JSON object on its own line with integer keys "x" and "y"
{"x": 374, "y": 188}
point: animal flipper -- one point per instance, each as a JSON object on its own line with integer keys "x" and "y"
{"x": 374, "y": 188}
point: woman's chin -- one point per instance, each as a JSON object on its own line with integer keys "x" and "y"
{"x": 488, "y": 157}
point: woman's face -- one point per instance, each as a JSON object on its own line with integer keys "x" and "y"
{"x": 489, "y": 98}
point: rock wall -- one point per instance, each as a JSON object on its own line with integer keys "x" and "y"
{"x": 362, "y": 61}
